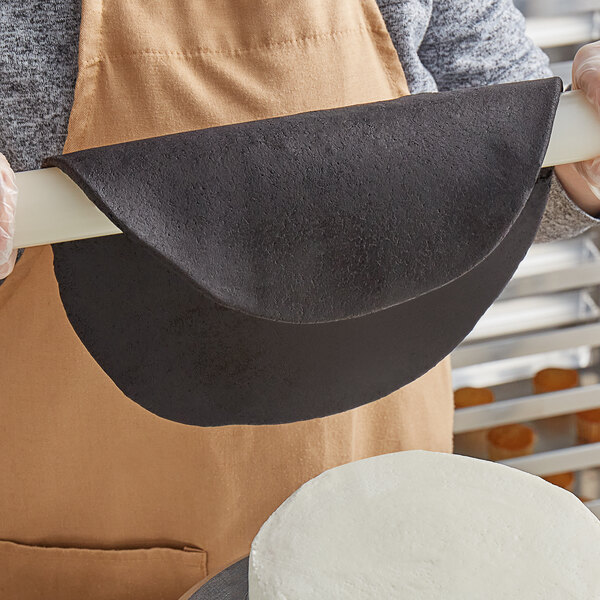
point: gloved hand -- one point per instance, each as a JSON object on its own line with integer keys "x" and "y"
{"x": 586, "y": 77}
{"x": 581, "y": 180}
{"x": 8, "y": 205}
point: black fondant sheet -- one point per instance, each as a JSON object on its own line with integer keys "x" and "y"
{"x": 298, "y": 267}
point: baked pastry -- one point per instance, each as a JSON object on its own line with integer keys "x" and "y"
{"x": 554, "y": 379}
{"x": 472, "y": 443}
{"x": 588, "y": 425}
{"x": 472, "y": 396}
{"x": 563, "y": 480}
{"x": 510, "y": 441}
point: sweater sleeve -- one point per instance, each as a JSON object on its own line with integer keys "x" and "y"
{"x": 471, "y": 43}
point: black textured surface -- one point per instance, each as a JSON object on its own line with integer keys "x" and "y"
{"x": 229, "y": 584}
{"x": 328, "y": 258}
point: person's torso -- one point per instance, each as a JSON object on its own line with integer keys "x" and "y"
{"x": 38, "y": 70}
{"x": 96, "y": 469}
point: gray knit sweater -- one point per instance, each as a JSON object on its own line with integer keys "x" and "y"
{"x": 442, "y": 44}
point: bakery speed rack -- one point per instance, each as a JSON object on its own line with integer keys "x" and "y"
{"x": 548, "y": 316}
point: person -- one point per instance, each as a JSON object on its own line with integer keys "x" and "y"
{"x": 417, "y": 30}
{"x": 83, "y": 468}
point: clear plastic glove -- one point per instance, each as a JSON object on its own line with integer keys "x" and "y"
{"x": 8, "y": 205}
{"x": 586, "y": 77}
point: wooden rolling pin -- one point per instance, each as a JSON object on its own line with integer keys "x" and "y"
{"x": 53, "y": 209}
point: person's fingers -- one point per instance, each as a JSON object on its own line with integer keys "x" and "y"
{"x": 590, "y": 171}
{"x": 9, "y": 265}
{"x": 8, "y": 206}
{"x": 586, "y": 77}
{"x": 586, "y": 72}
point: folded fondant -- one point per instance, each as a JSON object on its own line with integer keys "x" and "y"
{"x": 297, "y": 267}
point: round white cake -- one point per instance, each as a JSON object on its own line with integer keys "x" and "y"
{"x": 416, "y": 525}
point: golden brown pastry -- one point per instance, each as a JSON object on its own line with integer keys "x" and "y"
{"x": 553, "y": 379}
{"x": 563, "y": 480}
{"x": 472, "y": 396}
{"x": 510, "y": 441}
{"x": 588, "y": 425}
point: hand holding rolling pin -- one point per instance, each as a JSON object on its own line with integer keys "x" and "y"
{"x": 581, "y": 180}
{"x": 8, "y": 204}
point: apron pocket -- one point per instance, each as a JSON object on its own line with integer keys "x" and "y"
{"x": 33, "y": 572}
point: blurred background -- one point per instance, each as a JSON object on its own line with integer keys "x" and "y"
{"x": 560, "y": 27}
{"x": 527, "y": 379}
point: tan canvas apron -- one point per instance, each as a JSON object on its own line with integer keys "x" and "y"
{"x": 90, "y": 480}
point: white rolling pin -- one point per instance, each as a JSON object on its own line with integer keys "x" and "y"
{"x": 51, "y": 208}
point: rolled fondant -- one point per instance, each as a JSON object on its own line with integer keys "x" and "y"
{"x": 297, "y": 267}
